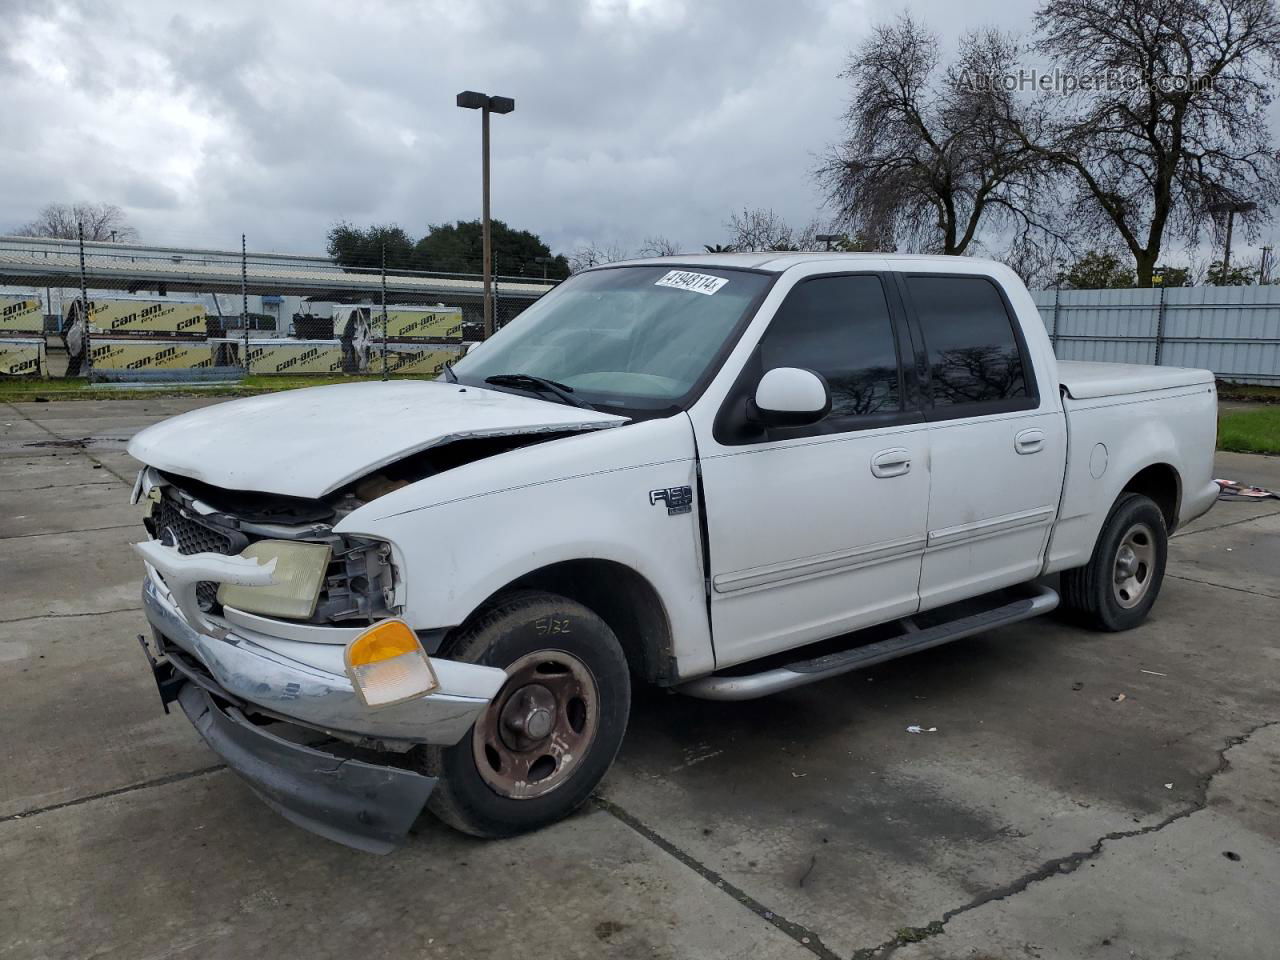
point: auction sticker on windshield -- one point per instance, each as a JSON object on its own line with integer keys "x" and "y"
{"x": 694, "y": 282}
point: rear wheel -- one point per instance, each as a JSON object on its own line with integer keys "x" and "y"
{"x": 1116, "y": 589}
{"x": 552, "y": 731}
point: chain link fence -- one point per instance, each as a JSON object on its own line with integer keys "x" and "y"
{"x": 114, "y": 312}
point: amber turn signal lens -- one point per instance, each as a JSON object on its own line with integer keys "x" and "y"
{"x": 387, "y": 664}
{"x": 382, "y": 641}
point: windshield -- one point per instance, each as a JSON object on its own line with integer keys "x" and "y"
{"x": 638, "y": 337}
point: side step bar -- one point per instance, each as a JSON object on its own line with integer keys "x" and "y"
{"x": 718, "y": 687}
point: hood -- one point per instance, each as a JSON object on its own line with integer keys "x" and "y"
{"x": 310, "y": 442}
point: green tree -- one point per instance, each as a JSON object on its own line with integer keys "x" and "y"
{"x": 861, "y": 243}
{"x": 1235, "y": 277}
{"x": 1097, "y": 270}
{"x": 458, "y": 248}
{"x": 356, "y": 247}
{"x": 1171, "y": 277}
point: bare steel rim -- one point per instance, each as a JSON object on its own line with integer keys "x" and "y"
{"x": 1135, "y": 565}
{"x": 539, "y": 726}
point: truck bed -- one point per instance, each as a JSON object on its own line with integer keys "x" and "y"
{"x": 1086, "y": 381}
{"x": 1125, "y": 419}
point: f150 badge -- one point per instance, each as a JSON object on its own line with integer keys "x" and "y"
{"x": 677, "y": 499}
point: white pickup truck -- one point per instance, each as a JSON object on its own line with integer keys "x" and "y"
{"x": 728, "y": 475}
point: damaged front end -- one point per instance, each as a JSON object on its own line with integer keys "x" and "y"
{"x": 255, "y": 605}
{"x": 357, "y": 586}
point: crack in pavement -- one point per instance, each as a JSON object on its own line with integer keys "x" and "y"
{"x": 59, "y": 616}
{"x": 1058, "y": 865}
{"x": 63, "y": 533}
{"x": 106, "y": 794}
{"x": 62, "y": 486}
{"x": 800, "y": 934}
{"x": 1229, "y": 523}
{"x": 1222, "y": 586}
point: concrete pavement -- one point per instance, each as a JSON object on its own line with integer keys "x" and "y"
{"x": 1048, "y": 816}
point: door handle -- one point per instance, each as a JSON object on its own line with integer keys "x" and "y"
{"x": 891, "y": 463}
{"x": 1029, "y": 441}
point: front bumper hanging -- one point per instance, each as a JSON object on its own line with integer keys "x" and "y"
{"x": 241, "y": 693}
{"x": 369, "y": 806}
{"x": 363, "y": 805}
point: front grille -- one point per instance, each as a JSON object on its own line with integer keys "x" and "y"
{"x": 191, "y": 536}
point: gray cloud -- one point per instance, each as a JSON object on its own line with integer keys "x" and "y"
{"x": 633, "y": 117}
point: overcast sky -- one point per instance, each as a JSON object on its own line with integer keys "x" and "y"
{"x": 633, "y": 117}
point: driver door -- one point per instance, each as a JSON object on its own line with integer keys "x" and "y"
{"x": 818, "y": 530}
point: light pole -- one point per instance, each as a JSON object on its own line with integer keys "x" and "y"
{"x": 544, "y": 261}
{"x": 829, "y": 238}
{"x": 1230, "y": 208}
{"x": 471, "y": 100}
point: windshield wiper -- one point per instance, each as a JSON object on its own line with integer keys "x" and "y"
{"x": 528, "y": 381}
{"x": 449, "y": 375}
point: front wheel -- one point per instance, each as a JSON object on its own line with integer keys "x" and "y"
{"x": 550, "y": 733}
{"x": 1116, "y": 589}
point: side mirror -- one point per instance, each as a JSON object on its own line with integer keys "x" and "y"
{"x": 790, "y": 397}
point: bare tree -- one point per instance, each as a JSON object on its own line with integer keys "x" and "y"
{"x": 102, "y": 221}
{"x": 1180, "y": 123}
{"x": 928, "y": 156}
{"x": 593, "y": 254}
{"x": 759, "y": 229}
{"x": 807, "y": 237}
{"x": 659, "y": 246}
{"x": 1036, "y": 260}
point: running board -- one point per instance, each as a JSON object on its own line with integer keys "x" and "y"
{"x": 748, "y": 687}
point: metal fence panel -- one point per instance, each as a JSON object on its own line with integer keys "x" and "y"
{"x": 1233, "y": 331}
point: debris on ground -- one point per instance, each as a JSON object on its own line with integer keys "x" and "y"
{"x": 1119, "y": 698}
{"x": 1235, "y": 490}
{"x": 1153, "y": 673}
{"x": 916, "y": 728}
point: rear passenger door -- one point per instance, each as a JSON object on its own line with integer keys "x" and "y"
{"x": 996, "y": 438}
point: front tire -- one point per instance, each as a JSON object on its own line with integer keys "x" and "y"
{"x": 1116, "y": 589}
{"x": 552, "y": 731}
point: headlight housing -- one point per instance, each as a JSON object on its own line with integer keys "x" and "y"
{"x": 299, "y": 575}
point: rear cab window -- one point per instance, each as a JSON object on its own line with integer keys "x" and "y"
{"x": 976, "y": 358}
